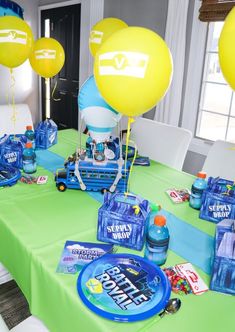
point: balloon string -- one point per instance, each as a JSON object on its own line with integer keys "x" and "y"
{"x": 132, "y": 164}
{"x": 130, "y": 121}
{"x": 12, "y": 90}
{"x": 53, "y": 92}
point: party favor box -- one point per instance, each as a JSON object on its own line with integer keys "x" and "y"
{"x": 223, "y": 274}
{"x": 122, "y": 220}
{"x": 46, "y": 134}
{"x": 218, "y": 200}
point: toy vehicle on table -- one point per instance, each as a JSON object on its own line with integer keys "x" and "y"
{"x": 85, "y": 175}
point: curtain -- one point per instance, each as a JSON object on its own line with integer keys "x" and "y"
{"x": 168, "y": 110}
{"x": 215, "y": 10}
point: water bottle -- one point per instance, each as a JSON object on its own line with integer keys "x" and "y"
{"x": 30, "y": 135}
{"x": 199, "y": 185}
{"x": 29, "y": 159}
{"x": 157, "y": 241}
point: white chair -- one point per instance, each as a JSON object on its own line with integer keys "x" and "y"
{"x": 220, "y": 160}
{"x": 31, "y": 324}
{"x": 161, "y": 142}
{"x": 23, "y": 119}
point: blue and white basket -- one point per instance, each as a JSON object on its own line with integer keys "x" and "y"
{"x": 218, "y": 200}
{"x": 122, "y": 220}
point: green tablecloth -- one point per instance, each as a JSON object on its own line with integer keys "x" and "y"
{"x": 35, "y": 222}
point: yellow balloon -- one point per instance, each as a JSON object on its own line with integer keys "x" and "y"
{"x": 47, "y": 57}
{"x": 133, "y": 70}
{"x": 227, "y": 49}
{"x": 16, "y": 41}
{"x": 102, "y": 31}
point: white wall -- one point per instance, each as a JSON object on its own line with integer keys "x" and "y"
{"x": 26, "y": 81}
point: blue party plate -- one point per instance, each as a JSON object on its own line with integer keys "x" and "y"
{"x": 8, "y": 175}
{"x": 124, "y": 288}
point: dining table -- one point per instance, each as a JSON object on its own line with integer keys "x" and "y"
{"x": 36, "y": 221}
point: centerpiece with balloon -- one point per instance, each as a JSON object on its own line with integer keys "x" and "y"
{"x": 132, "y": 71}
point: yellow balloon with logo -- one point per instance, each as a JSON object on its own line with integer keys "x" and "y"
{"x": 227, "y": 49}
{"x": 16, "y": 41}
{"x": 102, "y": 31}
{"x": 133, "y": 70}
{"x": 47, "y": 57}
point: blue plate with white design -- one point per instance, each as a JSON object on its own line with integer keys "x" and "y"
{"x": 124, "y": 288}
{"x": 8, "y": 175}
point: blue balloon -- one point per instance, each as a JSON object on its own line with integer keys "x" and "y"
{"x": 89, "y": 95}
{"x": 100, "y": 118}
{"x": 10, "y": 8}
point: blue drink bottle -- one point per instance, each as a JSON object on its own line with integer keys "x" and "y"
{"x": 29, "y": 159}
{"x": 157, "y": 241}
{"x": 199, "y": 185}
{"x": 30, "y": 135}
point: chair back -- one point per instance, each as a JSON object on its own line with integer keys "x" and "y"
{"x": 220, "y": 160}
{"x": 161, "y": 142}
{"x": 23, "y": 119}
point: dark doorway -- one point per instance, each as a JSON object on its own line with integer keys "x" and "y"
{"x": 63, "y": 24}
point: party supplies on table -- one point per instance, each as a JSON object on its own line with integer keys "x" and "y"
{"x": 122, "y": 220}
{"x": 178, "y": 195}
{"x": 198, "y": 187}
{"x": 185, "y": 279}
{"x": 218, "y": 200}
{"x": 46, "y": 134}
{"x": 29, "y": 133}
{"x": 8, "y": 175}
{"x": 77, "y": 254}
{"x": 223, "y": 273}
{"x": 11, "y": 150}
{"x": 29, "y": 159}
{"x": 157, "y": 241}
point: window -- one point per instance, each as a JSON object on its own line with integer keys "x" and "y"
{"x": 216, "y": 114}
{"x": 209, "y": 103}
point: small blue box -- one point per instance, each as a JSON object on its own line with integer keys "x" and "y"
{"x": 46, "y": 134}
{"x": 223, "y": 274}
{"x": 123, "y": 219}
{"x": 218, "y": 200}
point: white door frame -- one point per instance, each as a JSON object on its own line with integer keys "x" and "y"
{"x": 92, "y": 11}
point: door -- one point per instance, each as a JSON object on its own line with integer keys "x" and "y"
{"x": 63, "y": 24}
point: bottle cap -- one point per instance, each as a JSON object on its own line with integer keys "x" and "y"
{"x": 160, "y": 220}
{"x": 29, "y": 127}
{"x": 201, "y": 175}
{"x": 28, "y": 145}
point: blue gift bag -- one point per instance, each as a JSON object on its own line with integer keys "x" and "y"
{"x": 11, "y": 150}
{"x": 46, "y": 134}
{"x": 122, "y": 220}
{"x": 218, "y": 200}
{"x": 223, "y": 273}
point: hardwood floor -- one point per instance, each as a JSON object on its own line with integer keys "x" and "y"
{"x": 13, "y": 305}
